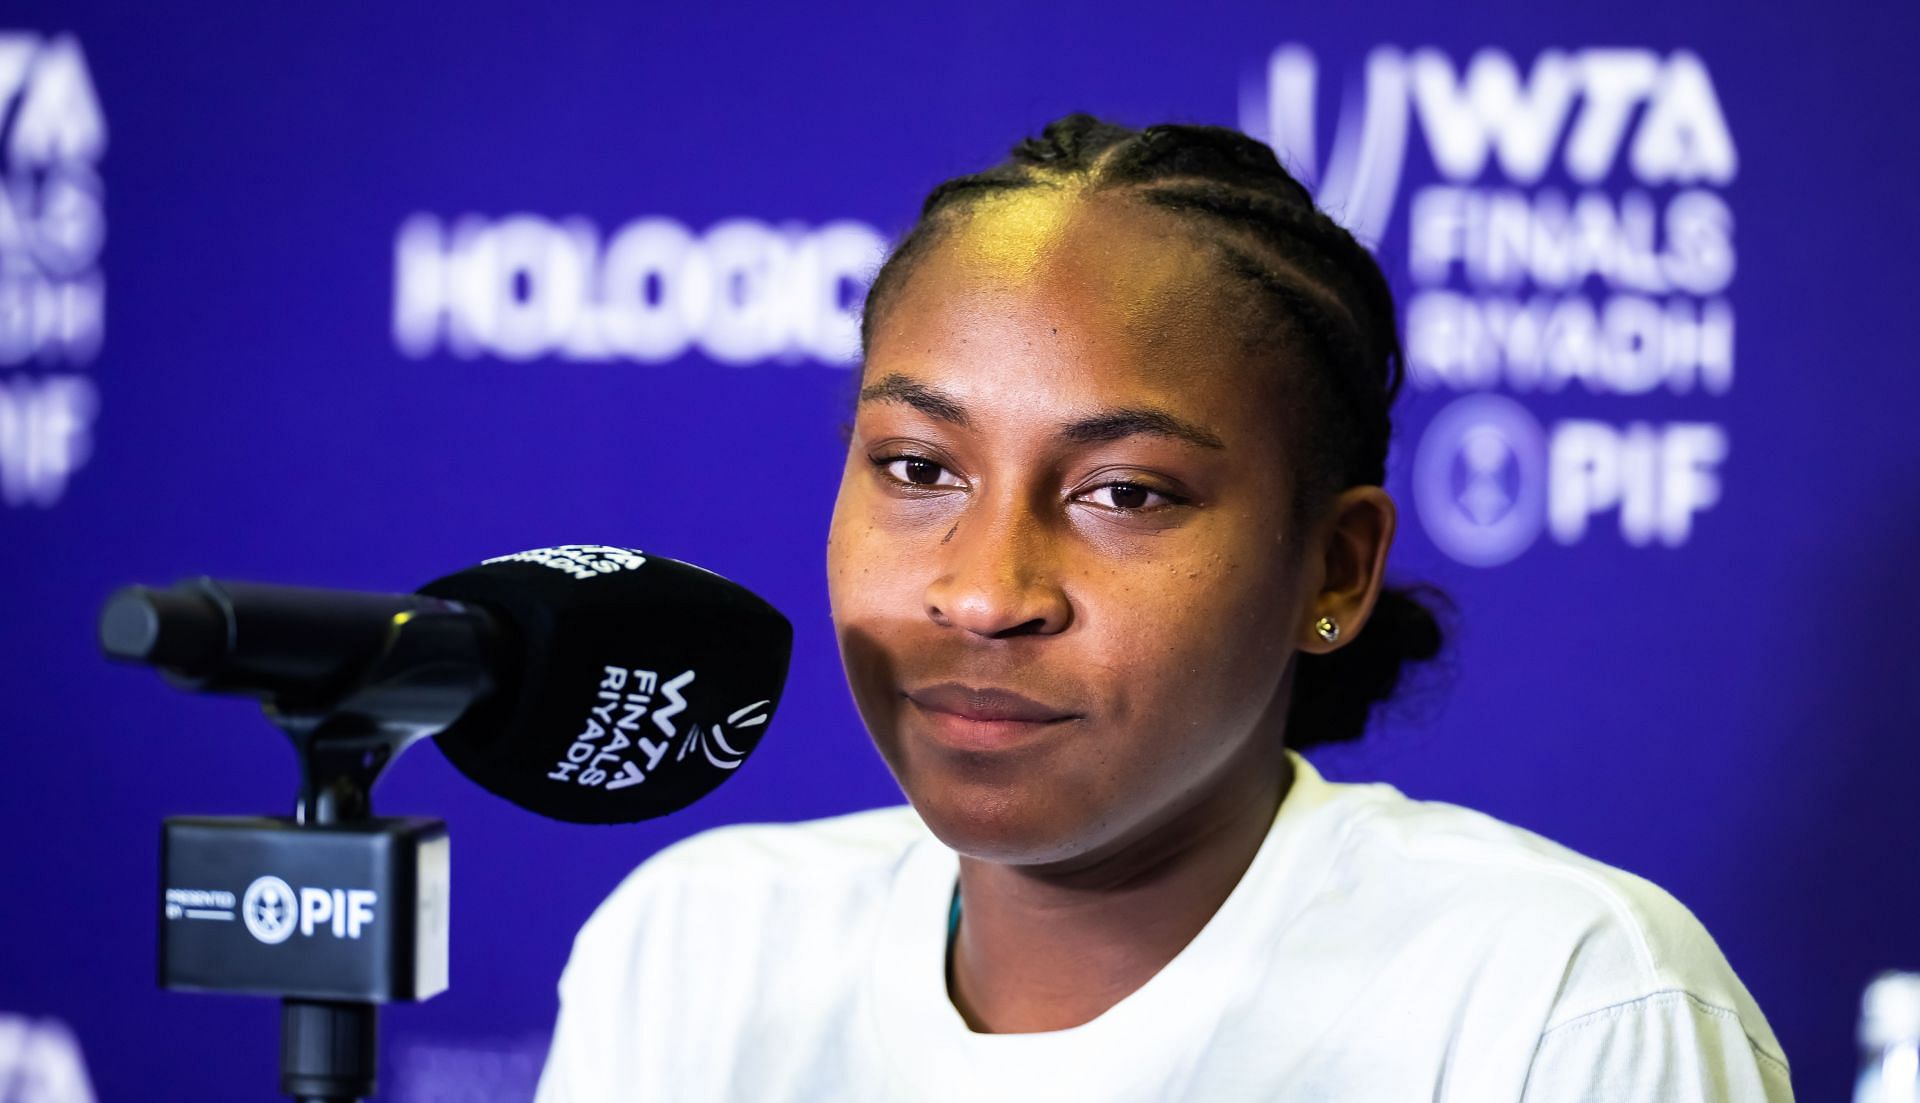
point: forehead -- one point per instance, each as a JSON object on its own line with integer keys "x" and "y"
{"x": 1098, "y": 297}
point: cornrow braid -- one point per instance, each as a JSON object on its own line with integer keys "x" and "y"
{"x": 1328, "y": 306}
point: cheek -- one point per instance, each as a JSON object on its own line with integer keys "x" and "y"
{"x": 1201, "y": 647}
{"x": 869, "y": 565}
{"x": 840, "y": 533}
{"x": 873, "y": 594}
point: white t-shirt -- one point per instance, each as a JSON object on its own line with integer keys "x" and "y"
{"x": 1378, "y": 948}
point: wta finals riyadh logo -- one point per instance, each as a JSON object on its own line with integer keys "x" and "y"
{"x": 1566, "y": 234}
{"x": 52, "y": 296}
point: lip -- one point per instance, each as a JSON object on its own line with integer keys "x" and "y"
{"x": 982, "y": 718}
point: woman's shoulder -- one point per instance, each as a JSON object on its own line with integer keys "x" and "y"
{"x": 716, "y": 945}
{"x": 827, "y": 868}
{"x": 1441, "y": 845}
{"x": 1437, "y": 847}
{"x": 1613, "y": 940}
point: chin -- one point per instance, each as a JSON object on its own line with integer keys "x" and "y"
{"x": 1000, "y": 824}
{"x": 1035, "y": 807}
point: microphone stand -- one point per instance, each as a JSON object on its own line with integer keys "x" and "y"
{"x": 329, "y": 1050}
{"x": 330, "y": 990}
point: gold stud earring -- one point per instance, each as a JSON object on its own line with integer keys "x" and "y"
{"x": 1328, "y": 628}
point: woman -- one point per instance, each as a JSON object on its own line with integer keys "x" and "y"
{"x": 1108, "y": 552}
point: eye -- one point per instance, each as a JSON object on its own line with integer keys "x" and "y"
{"x": 1125, "y": 497}
{"x": 917, "y": 471}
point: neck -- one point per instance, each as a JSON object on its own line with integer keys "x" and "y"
{"x": 1050, "y": 948}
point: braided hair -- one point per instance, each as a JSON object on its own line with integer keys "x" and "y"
{"x": 1323, "y": 296}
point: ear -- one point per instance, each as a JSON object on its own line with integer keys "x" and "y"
{"x": 1350, "y": 550}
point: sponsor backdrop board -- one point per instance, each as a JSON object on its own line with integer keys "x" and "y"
{"x": 356, "y": 301}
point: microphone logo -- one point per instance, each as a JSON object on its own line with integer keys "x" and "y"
{"x": 676, "y": 704}
{"x": 270, "y": 909}
{"x": 578, "y": 561}
{"x": 615, "y": 751}
{"x": 609, "y": 750}
{"x": 713, "y": 743}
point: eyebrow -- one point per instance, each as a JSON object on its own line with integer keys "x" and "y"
{"x": 1101, "y": 428}
{"x": 934, "y": 404}
{"x": 1116, "y": 424}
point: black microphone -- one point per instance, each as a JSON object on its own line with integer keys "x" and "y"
{"x": 586, "y": 683}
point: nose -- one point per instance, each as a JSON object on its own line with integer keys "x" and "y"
{"x": 997, "y": 576}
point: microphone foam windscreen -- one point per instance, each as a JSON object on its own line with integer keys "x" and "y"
{"x": 629, "y": 685}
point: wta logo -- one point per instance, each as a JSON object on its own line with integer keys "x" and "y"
{"x": 1659, "y": 115}
{"x": 634, "y": 723}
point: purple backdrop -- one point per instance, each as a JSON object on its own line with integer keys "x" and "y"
{"x": 357, "y": 301}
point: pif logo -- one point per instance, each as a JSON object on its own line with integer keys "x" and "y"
{"x": 272, "y": 910}
{"x": 1488, "y": 478}
{"x": 269, "y": 909}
